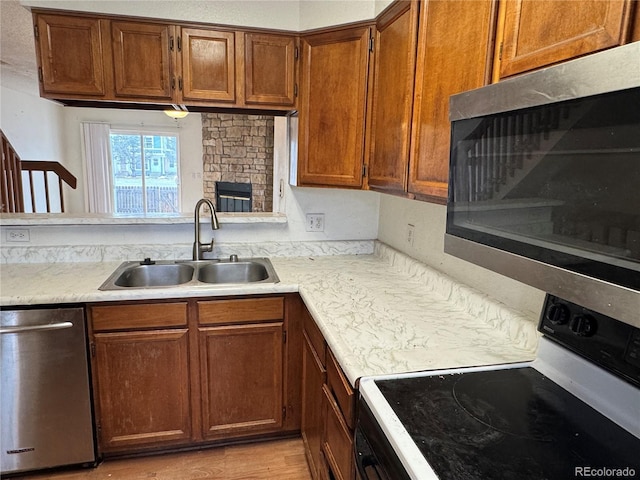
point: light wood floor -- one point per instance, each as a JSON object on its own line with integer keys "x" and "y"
{"x": 272, "y": 460}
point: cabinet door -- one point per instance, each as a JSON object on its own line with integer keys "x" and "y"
{"x": 453, "y": 56}
{"x": 269, "y": 69}
{"x": 143, "y": 59}
{"x": 538, "y": 33}
{"x": 337, "y": 445}
{"x": 241, "y": 371}
{"x": 142, "y": 389}
{"x": 396, "y": 39}
{"x": 70, "y": 55}
{"x": 208, "y": 65}
{"x": 334, "y": 71}
{"x": 313, "y": 377}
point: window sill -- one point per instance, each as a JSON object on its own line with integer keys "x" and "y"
{"x": 17, "y": 219}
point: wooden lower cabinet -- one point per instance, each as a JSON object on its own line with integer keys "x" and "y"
{"x": 241, "y": 376}
{"x": 337, "y": 440}
{"x": 328, "y": 406}
{"x": 141, "y": 376}
{"x": 313, "y": 377}
{"x": 183, "y": 373}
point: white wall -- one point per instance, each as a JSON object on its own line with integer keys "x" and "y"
{"x": 322, "y": 13}
{"x": 278, "y": 14}
{"x": 381, "y": 5}
{"x": 33, "y": 126}
{"x": 296, "y": 15}
{"x": 349, "y": 215}
{"x": 428, "y": 247}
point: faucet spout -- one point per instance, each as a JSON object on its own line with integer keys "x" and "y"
{"x": 198, "y": 247}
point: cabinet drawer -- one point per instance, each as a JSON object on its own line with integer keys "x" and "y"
{"x": 341, "y": 390}
{"x": 252, "y": 310}
{"x": 337, "y": 445}
{"x": 147, "y": 315}
{"x": 315, "y": 336}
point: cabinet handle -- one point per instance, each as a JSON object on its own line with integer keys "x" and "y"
{"x": 180, "y": 83}
{"x": 171, "y": 43}
{"x": 173, "y": 83}
{"x": 179, "y": 44}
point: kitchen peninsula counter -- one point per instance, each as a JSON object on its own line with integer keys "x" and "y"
{"x": 380, "y": 313}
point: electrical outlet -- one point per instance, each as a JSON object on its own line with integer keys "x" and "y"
{"x": 18, "y": 235}
{"x": 315, "y": 222}
{"x": 410, "y": 233}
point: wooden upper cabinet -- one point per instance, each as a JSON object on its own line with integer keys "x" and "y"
{"x": 334, "y": 84}
{"x": 538, "y": 33}
{"x": 634, "y": 31}
{"x": 70, "y": 55}
{"x": 143, "y": 59}
{"x": 107, "y": 58}
{"x": 269, "y": 69}
{"x": 395, "y": 58}
{"x": 208, "y": 65}
{"x": 454, "y": 55}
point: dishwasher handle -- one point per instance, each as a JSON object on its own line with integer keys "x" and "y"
{"x": 36, "y": 328}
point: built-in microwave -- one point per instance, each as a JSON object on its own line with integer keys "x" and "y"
{"x": 544, "y": 182}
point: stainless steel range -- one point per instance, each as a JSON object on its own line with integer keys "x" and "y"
{"x": 574, "y": 412}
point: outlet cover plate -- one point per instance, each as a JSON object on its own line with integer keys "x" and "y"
{"x": 315, "y": 222}
{"x": 18, "y": 235}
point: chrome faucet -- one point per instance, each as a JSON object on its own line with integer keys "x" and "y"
{"x": 200, "y": 248}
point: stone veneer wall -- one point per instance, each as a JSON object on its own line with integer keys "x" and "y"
{"x": 239, "y": 148}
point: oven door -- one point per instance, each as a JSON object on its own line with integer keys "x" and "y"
{"x": 375, "y": 458}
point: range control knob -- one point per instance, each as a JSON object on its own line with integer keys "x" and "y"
{"x": 583, "y": 325}
{"x": 558, "y": 313}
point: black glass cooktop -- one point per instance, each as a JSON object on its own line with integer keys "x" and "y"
{"x": 508, "y": 424}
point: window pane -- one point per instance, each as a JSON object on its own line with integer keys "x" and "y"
{"x": 145, "y": 173}
{"x": 126, "y": 156}
{"x": 161, "y": 182}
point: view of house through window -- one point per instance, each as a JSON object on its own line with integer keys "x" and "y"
{"x": 145, "y": 173}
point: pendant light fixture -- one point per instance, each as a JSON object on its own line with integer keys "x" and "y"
{"x": 178, "y": 111}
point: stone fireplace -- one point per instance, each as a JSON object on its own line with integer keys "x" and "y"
{"x": 239, "y": 149}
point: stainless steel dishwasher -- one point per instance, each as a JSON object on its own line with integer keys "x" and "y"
{"x": 46, "y": 405}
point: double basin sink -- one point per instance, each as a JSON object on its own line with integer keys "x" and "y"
{"x": 171, "y": 273}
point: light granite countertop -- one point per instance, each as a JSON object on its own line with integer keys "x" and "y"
{"x": 380, "y": 313}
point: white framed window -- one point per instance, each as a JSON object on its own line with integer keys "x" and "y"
{"x": 145, "y": 172}
{"x": 132, "y": 171}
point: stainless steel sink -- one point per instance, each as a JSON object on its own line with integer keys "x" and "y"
{"x": 156, "y": 275}
{"x": 171, "y": 273}
{"x": 233, "y": 272}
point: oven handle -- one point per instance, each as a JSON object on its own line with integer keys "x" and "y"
{"x": 366, "y": 461}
